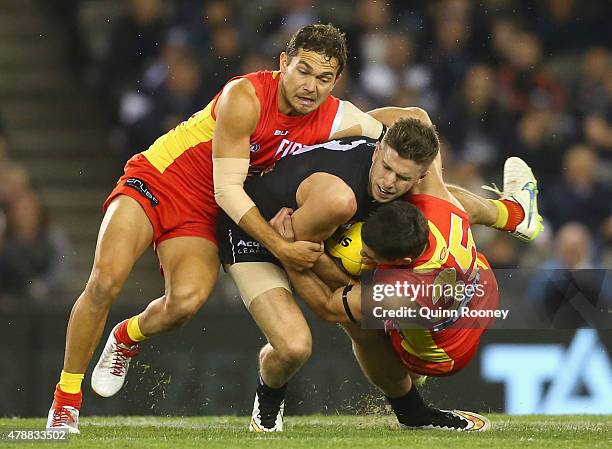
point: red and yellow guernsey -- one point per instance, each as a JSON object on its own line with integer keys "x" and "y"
{"x": 173, "y": 179}
{"x": 447, "y": 344}
{"x": 277, "y": 135}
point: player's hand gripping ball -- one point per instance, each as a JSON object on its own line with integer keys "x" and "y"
{"x": 345, "y": 245}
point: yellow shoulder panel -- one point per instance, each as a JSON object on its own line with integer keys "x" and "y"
{"x": 440, "y": 254}
{"x": 199, "y": 128}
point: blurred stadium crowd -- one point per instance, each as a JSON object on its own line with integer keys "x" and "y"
{"x": 34, "y": 252}
{"x": 498, "y": 78}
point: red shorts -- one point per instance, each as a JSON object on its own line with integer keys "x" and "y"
{"x": 445, "y": 352}
{"x": 177, "y": 205}
{"x": 451, "y": 354}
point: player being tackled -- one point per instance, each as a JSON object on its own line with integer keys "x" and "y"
{"x": 438, "y": 250}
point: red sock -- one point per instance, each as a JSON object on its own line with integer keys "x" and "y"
{"x": 72, "y": 400}
{"x": 516, "y": 214}
{"x": 121, "y": 334}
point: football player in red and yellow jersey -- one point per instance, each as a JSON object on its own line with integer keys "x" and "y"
{"x": 169, "y": 196}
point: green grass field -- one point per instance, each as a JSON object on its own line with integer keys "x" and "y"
{"x": 352, "y": 432}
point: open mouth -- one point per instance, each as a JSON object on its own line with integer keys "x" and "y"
{"x": 306, "y": 101}
{"x": 383, "y": 193}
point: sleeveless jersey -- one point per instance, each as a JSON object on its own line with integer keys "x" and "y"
{"x": 349, "y": 159}
{"x": 450, "y": 259}
{"x": 187, "y": 149}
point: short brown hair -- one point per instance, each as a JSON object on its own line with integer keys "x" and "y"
{"x": 323, "y": 39}
{"x": 396, "y": 230}
{"x": 413, "y": 140}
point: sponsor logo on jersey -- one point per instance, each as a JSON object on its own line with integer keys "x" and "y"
{"x": 255, "y": 147}
{"x": 141, "y": 187}
{"x": 287, "y": 147}
{"x": 334, "y": 145}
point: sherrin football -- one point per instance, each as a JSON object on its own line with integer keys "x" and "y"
{"x": 345, "y": 246}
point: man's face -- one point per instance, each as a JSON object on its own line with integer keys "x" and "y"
{"x": 308, "y": 79}
{"x": 391, "y": 176}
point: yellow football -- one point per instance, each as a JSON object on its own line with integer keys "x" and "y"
{"x": 345, "y": 245}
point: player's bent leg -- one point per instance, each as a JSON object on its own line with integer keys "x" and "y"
{"x": 289, "y": 347}
{"x": 124, "y": 235}
{"x": 481, "y": 211}
{"x": 383, "y": 368}
{"x": 191, "y": 267}
{"x": 516, "y": 211}
{"x": 378, "y": 360}
{"x": 265, "y": 290}
{"x": 289, "y": 338}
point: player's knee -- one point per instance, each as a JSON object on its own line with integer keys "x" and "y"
{"x": 297, "y": 351}
{"x": 183, "y": 302}
{"x": 104, "y": 284}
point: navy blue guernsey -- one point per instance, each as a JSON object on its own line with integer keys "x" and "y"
{"x": 348, "y": 159}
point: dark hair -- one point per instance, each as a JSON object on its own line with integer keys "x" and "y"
{"x": 396, "y": 230}
{"x": 323, "y": 39}
{"x": 413, "y": 140}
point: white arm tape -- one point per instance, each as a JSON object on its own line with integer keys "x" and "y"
{"x": 353, "y": 116}
{"x": 229, "y": 174}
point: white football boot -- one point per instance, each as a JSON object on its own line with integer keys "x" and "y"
{"x": 457, "y": 420}
{"x": 109, "y": 373}
{"x": 266, "y": 420}
{"x": 522, "y": 187}
{"x": 63, "y": 418}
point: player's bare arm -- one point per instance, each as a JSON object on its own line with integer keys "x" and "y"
{"x": 237, "y": 114}
{"x": 342, "y": 304}
{"x": 325, "y": 268}
{"x": 390, "y": 114}
{"x": 324, "y": 203}
{"x": 325, "y": 303}
{"x": 329, "y": 272}
{"x": 355, "y": 122}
